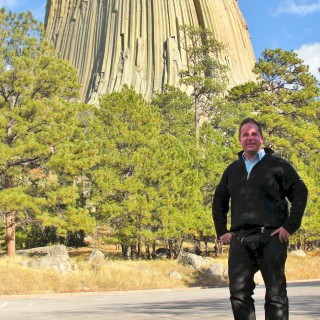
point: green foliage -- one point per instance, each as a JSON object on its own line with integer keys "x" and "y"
{"x": 42, "y": 138}
{"x": 286, "y": 101}
{"x": 143, "y": 170}
{"x": 176, "y": 109}
{"x": 146, "y": 186}
{"x": 207, "y": 160}
{"x": 129, "y": 128}
{"x": 176, "y": 183}
{"x": 205, "y": 75}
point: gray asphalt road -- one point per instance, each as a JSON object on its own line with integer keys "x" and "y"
{"x": 212, "y": 303}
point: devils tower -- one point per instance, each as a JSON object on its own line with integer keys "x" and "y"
{"x": 136, "y": 42}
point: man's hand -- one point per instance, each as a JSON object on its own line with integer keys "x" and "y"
{"x": 284, "y": 235}
{"x": 226, "y": 238}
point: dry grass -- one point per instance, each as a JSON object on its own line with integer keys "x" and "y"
{"x": 303, "y": 268}
{"x": 123, "y": 275}
{"x": 115, "y": 275}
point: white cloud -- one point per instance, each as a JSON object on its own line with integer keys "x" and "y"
{"x": 310, "y": 54}
{"x": 301, "y": 8}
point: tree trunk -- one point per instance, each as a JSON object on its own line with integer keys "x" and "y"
{"x": 153, "y": 254}
{"x": 180, "y": 250}
{"x": 10, "y": 235}
{"x": 206, "y": 245}
{"x": 134, "y": 254}
{"x": 171, "y": 249}
{"x": 148, "y": 255}
{"x": 305, "y": 243}
{"x": 124, "y": 249}
{"x": 197, "y": 246}
{"x": 10, "y": 226}
{"x": 197, "y": 122}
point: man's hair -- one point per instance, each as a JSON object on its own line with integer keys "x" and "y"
{"x": 250, "y": 120}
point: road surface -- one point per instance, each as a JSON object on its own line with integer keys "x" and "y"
{"x": 187, "y": 304}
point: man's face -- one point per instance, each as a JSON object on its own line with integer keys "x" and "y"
{"x": 250, "y": 139}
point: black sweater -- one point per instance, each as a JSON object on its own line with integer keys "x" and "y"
{"x": 260, "y": 199}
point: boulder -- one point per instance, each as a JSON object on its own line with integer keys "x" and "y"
{"x": 175, "y": 275}
{"x": 96, "y": 258}
{"x": 191, "y": 259}
{"x": 297, "y": 253}
{"x": 217, "y": 274}
{"x": 52, "y": 257}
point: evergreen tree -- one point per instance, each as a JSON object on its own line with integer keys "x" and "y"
{"x": 176, "y": 109}
{"x": 176, "y": 184}
{"x": 145, "y": 187}
{"x": 127, "y": 130}
{"x": 205, "y": 75}
{"x": 285, "y": 99}
{"x": 40, "y": 132}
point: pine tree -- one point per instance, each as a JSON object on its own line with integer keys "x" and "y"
{"x": 176, "y": 109}
{"x": 204, "y": 74}
{"x": 285, "y": 99}
{"x": 145, "y": 187}
{"x": 40, "y": 131}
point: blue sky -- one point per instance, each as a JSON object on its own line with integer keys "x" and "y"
{"x": 286, "y": 24}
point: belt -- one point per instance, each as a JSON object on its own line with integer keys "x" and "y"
{"x": 243, "y": 233}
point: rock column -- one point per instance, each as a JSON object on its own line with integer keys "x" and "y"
{"x": 136, "y": 42}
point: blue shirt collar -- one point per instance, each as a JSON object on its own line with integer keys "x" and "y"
{"x": 251, "y": 163}
{"x": 258, "y": 156}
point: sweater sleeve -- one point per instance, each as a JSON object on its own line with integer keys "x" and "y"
{"x": 296, "y": 192}
{"x": 220, "y": 206}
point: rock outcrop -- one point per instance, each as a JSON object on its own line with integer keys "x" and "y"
{"x": 53, "y": 257}
{"x": 136, "y": 42}
{"x": 216, "y": 273}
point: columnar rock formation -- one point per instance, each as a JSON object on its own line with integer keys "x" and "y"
{"x": 136, "y": 42}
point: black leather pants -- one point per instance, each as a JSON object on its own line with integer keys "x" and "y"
{"x": 250, "y": 252}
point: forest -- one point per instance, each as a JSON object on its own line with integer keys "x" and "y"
{"x": 132, "y": 172}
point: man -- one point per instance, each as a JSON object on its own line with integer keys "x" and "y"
{"x": 258, "y": 184}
